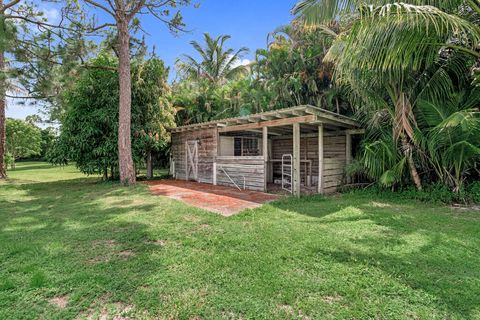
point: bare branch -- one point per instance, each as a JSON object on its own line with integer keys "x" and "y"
{"x": 100, "y": 6}
{"x": 9, "y": 5}
{"x": 36, "y": 22}
{"x": 135, "y": 9}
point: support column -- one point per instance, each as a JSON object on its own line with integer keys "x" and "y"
{"x": 320, "y": 159}
{"x": 296, "y": 160}
{"x": 265, "y": 156}
{"x": 348, "y": 151}
{"x": 214, "y": 168}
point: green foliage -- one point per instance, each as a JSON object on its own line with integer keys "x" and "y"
{"x": 90, "y": 127}
{"x": 290, "y": 72}
{"x": 431, "y": 193}
{"x": 473, "y": 189}
{"x": 23, "y": 140}
{"x": 410, "y": 70}
{"x": 217, "y": 64}
{"x": 48, "y": 136}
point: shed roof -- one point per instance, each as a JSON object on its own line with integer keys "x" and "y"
{"x": 309, "y": 113}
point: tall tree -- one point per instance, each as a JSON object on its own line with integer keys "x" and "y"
{"x": 23, "y": 140}
{"x": 29, "y": 49}
{"x": 3, "y": 7}
{"x": 124, "y": 18}
{"x": 89, "y": 131}
{"x": 217, "y": 64}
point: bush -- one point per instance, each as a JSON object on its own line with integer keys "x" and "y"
{"x": 473, "y": 191}
{"x": 435, "y": 193}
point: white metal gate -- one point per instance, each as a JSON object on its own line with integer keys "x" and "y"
{"x": 287, "y": 172}
{"x": 192, "y": 160}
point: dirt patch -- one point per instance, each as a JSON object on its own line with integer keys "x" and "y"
{"x": 115, "y": 311}
{"x": 110, "y": 244}
{"x": 60, "y": 302}
{"x": 98, "y": 259}
{"x": 204, "y": 226}
{"x": 122, "y": 310}
{"x": 290, "y": 311}
{"x": 191, "y": 218}
{"x": 332, "y": 299}
{"x": 465, "y": 208}
{"x": 161, "y": 243}
{"x": 125, "y": 254}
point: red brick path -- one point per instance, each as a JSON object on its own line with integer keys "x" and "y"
{"x": 220, "y": 199}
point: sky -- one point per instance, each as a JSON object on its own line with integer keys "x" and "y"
{"x": 247, "y": 21}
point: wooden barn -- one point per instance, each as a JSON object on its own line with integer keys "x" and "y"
{"x": 303, "y": 149}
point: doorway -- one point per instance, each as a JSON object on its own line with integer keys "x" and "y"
{"x": 192, "y": 159}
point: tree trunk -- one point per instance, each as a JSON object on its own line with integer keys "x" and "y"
{"x": 407, "y": 151}
{"x": 149, "y": 165}
{"x": 3, "y": 169}
{"x": 125, "y": 161}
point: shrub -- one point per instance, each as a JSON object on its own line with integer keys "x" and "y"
{"x": 473, "y": 191}
{"x": 435, "y": 193}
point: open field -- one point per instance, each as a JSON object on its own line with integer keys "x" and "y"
{"x": 74, "y": 247}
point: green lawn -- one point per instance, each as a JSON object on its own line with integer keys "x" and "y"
{"x": 73, "y": 247}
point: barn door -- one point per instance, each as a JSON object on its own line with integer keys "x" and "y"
{"x": 192, "y": 159}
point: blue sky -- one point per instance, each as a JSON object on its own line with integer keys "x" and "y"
{"x": 247, "y": 21}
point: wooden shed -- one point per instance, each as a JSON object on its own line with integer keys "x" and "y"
{"x": 302, "y": 149}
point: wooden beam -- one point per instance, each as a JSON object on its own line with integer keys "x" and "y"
{"x": 265, "y": 156}
{"x": 355, "y": 131}
{"x": 296, "y": 159}
{"x": 270, "y": 123}
{"x": 328, "y": 115}
{"x": 320, "y": 159}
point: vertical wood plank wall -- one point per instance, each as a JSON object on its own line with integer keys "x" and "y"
{"x": 207, "y": 151}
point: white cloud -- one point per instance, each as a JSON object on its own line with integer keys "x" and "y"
{"x": 51, "y": 14}
{"x": 242, "y": 62}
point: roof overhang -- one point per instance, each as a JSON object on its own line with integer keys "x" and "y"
{"x": 301, "y": 114}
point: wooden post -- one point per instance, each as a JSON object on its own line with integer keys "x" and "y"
{"x": 186, "y": 160}
{"x": 320, "y": 159}
{"x": 265, "y": 156}
{"x": 348, "y": 151}
{"x": 214, "y": 173}
{"x": 219, "y": 144}
{"x": 296, "y": 159}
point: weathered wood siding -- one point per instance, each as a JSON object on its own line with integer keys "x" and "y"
{"x": 334, "y": 158}
{"x": 207, "y": 151}
{"x": 240, "y": 169}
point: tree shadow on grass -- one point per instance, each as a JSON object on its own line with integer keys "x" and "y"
{"x": 429, "y": 249}
{"x": 73, "y": 238}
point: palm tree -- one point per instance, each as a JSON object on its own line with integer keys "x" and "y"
{"x": 384, "y": 53}
{"x": 217, "y": 64}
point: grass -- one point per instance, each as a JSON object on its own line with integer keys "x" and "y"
{"x": 73, "y": 247}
